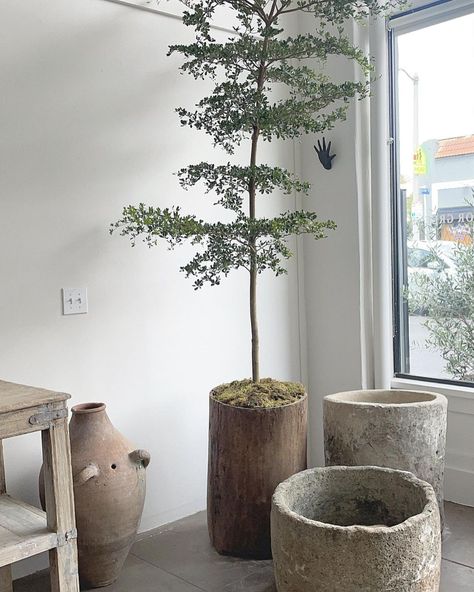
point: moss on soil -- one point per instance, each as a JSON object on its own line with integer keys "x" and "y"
{"x": 266, "y": 393}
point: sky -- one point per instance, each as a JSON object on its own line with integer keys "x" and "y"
{"x": 443, "y": 57}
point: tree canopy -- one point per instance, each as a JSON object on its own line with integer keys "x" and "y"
{"x": 246, "y": 69}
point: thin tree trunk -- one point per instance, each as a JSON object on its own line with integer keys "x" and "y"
{"x": 254, "y": 325}
{"x": 253, "y": 268}
{"x": 252, "y": 215}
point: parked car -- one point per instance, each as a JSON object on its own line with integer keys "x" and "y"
{"x": 427, "y": 259}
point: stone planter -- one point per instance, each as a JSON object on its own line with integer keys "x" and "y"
{"x": 348, "y": 529}
{"x": 250, "y": 452}
{"x": 403, "y": 430}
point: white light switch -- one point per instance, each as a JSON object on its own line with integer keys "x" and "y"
{"x": 74, "y": 301}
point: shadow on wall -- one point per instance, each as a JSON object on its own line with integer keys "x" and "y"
{"x": 88, "y": 125}
{"x": 75, "y": 106}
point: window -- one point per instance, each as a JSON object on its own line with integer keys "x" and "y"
{"x": 432, "y": 178}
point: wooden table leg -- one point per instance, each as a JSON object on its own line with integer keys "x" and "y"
{"x": 5, "y": 572}
{"x": 6, "y": 579}
{"x": 60, "y": 506}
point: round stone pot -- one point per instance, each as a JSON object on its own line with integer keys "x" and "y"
{"x": 347, "y": 529}
{"x": 403, "y": 430}
{"x": 250, "y": 452}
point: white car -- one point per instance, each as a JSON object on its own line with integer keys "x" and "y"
{"x": 430, "y": 257}
{"x": 427, "y": 259}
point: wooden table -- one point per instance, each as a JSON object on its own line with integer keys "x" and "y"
{"x": 24, "y": 529}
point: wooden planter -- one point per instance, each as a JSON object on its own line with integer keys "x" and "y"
{"x": 251, "y": 451}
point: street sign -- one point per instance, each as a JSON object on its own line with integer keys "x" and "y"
{"x": 420, "y": 164}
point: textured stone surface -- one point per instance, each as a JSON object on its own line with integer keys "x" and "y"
{"x": 179, "y": 558}
{"x": 403, "y": 430}
{"x": 355, "y": 529}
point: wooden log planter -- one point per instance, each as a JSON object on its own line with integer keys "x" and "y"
{"x": 251, "y": 451}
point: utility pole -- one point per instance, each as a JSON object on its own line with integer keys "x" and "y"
{"x": 416, "y": 139}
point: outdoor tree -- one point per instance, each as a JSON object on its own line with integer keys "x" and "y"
{"x": 243, "y": 108}
{"x": 447, "y": 299}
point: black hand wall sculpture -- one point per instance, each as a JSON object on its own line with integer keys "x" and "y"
{"x": 323, "y": 154}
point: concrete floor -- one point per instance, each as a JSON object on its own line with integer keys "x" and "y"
{"x": 179, "y": 558}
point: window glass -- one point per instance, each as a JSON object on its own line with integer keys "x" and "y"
{"x": 433, "y": 198}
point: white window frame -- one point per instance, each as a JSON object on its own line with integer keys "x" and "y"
{"x": 420, "y": 13}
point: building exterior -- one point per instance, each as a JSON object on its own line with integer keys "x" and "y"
{"x": 444, "y": 186}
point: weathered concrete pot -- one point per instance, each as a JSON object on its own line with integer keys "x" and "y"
{"x": 250, "y": 452}
{"x": 109, "y": 493}
{"x": 355, "y": 529}
{"x": 403, "y": 430}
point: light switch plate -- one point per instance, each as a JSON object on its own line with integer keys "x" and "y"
{"x": 74, "y": 301}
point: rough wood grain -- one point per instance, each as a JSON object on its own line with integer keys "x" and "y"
{"x": 6, "y": 579}
{"x": 14, "y": 423}
{"x": 60, "y": 506}
{"x": 5, "y": 572}
{"x": 3, "y": 483}
{"x": 23, "y": 531}
{"x": 19, "y": 396}
{"x": 250, "y": 452}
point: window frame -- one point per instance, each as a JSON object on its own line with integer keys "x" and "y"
{"x": 411, "y": 20}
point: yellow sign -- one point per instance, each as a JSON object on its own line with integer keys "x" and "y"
{"x": 420, "y": 165}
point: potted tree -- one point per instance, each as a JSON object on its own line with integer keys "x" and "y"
{"x": 257, "y": 434}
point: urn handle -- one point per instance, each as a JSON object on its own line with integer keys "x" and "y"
{"x": 92, "y": 470}
{"x": 140, "y": 455}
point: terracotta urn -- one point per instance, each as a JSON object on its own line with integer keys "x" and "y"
{"x": 109, "y": 493}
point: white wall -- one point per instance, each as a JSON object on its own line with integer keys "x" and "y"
{"x": 460, "y": 450}
{"x": 87, "y": 126}
{"x": 332, "y": 270}
{"x": 343, "y": 340}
